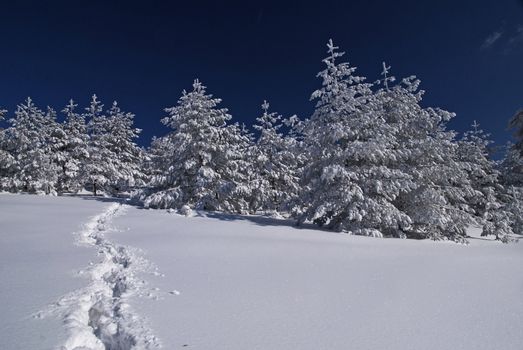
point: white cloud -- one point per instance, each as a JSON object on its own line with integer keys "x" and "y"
{"x": 517, "y": 37}
{"x": 491, "y": 39}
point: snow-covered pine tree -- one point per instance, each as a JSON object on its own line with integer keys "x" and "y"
{"x": 516, "y": 123}
{"x": 487, "y": 200}
{"x": 275, "y": 175}
{"x": 514, "y": 206}
{"x": 129, "y": 157}
{"x": 75, "y": 150}
{"x": 204, "y": 165}
{"x": 99, "y": 171}
{"x": 114, "y": 158}
{"x": 159, "y": 153}
{"x": 7, "y": 161}
{"x": 31, "y": 142}
{"x": 438, "y": 206}
{"x": 511, "y": 168}
{"x": 354, "y": 173}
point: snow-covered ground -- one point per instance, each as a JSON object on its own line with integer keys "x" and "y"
{"x": 229, "y": 282}
{"x": 38, "y": 263}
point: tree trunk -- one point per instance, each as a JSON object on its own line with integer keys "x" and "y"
{"x": 94, "y": 188}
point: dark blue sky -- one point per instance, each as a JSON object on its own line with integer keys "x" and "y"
{"x": 468, "y": 54}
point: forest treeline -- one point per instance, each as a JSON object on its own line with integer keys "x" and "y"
{"x": 370, "y": 160}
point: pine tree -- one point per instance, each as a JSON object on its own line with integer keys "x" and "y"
{"x": 32, "y": 144}
{"x": 114, "y": 158}
{"x": 75, "y": 150}
{"x": 353, "y": 176}
{"x": 438, "y": 205}
{"x": 511, "y": 167}
{"x": 516, "y": 123}
{"x": 487, "y": 200}
{"x": 274, "y": 179}
{"x": 204, "y": 163}
{"x": 98, "y": 170}
{"x": 159, "y": 153}
{"x": 7, "y": 161}
{"x": 514, "y": 206}
{"x": 128, "y": 156}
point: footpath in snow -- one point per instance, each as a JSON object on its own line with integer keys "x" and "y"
{"x": 98, "y": 316}
{"x": 235, "y": 282}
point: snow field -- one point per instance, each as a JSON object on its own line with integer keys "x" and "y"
{"x": 240, "y": 282}
{"x": 259, "y": 283}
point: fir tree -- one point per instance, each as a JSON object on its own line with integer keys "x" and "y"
{"x": 516, "y": 123}
{"x": 114, "y": 158}
{"x": 204, "y": 165}
{"x": 438, "y": 205}
{"x": 128, "y": 156}
{"x": 487, "y": 200}
{"x": 511, "y": 167}
{"x": 75, "y": 150}
{"x": 353, "y": 176}
{"x": 32, "y": 145}
{"x": 7, "y": 161}
{"x": 275, "y": 177}
{"x": 98, "y": 167}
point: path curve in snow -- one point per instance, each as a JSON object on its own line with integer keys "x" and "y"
{"x": 98, "y": 316}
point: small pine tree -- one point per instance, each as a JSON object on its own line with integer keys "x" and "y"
{"x": 516, "y": 123}
{"x": 511, "y": 167}
{"x": 274, "y": 180}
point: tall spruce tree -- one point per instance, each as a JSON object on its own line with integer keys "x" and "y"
{"x": 204, "y": 167}
{"x": 353, "y": 176}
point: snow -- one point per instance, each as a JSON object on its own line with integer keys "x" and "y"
{"x": 99, "y": 316}
{"x": 233, "y": 282}
{"x": 252, "y": 284}
{"x": 38, "y": 262}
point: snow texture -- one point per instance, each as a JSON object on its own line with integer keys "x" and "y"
{"x": 99, "y": 316}
{"x": 249, "y": 282}
{"x": 244, "y": 282}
